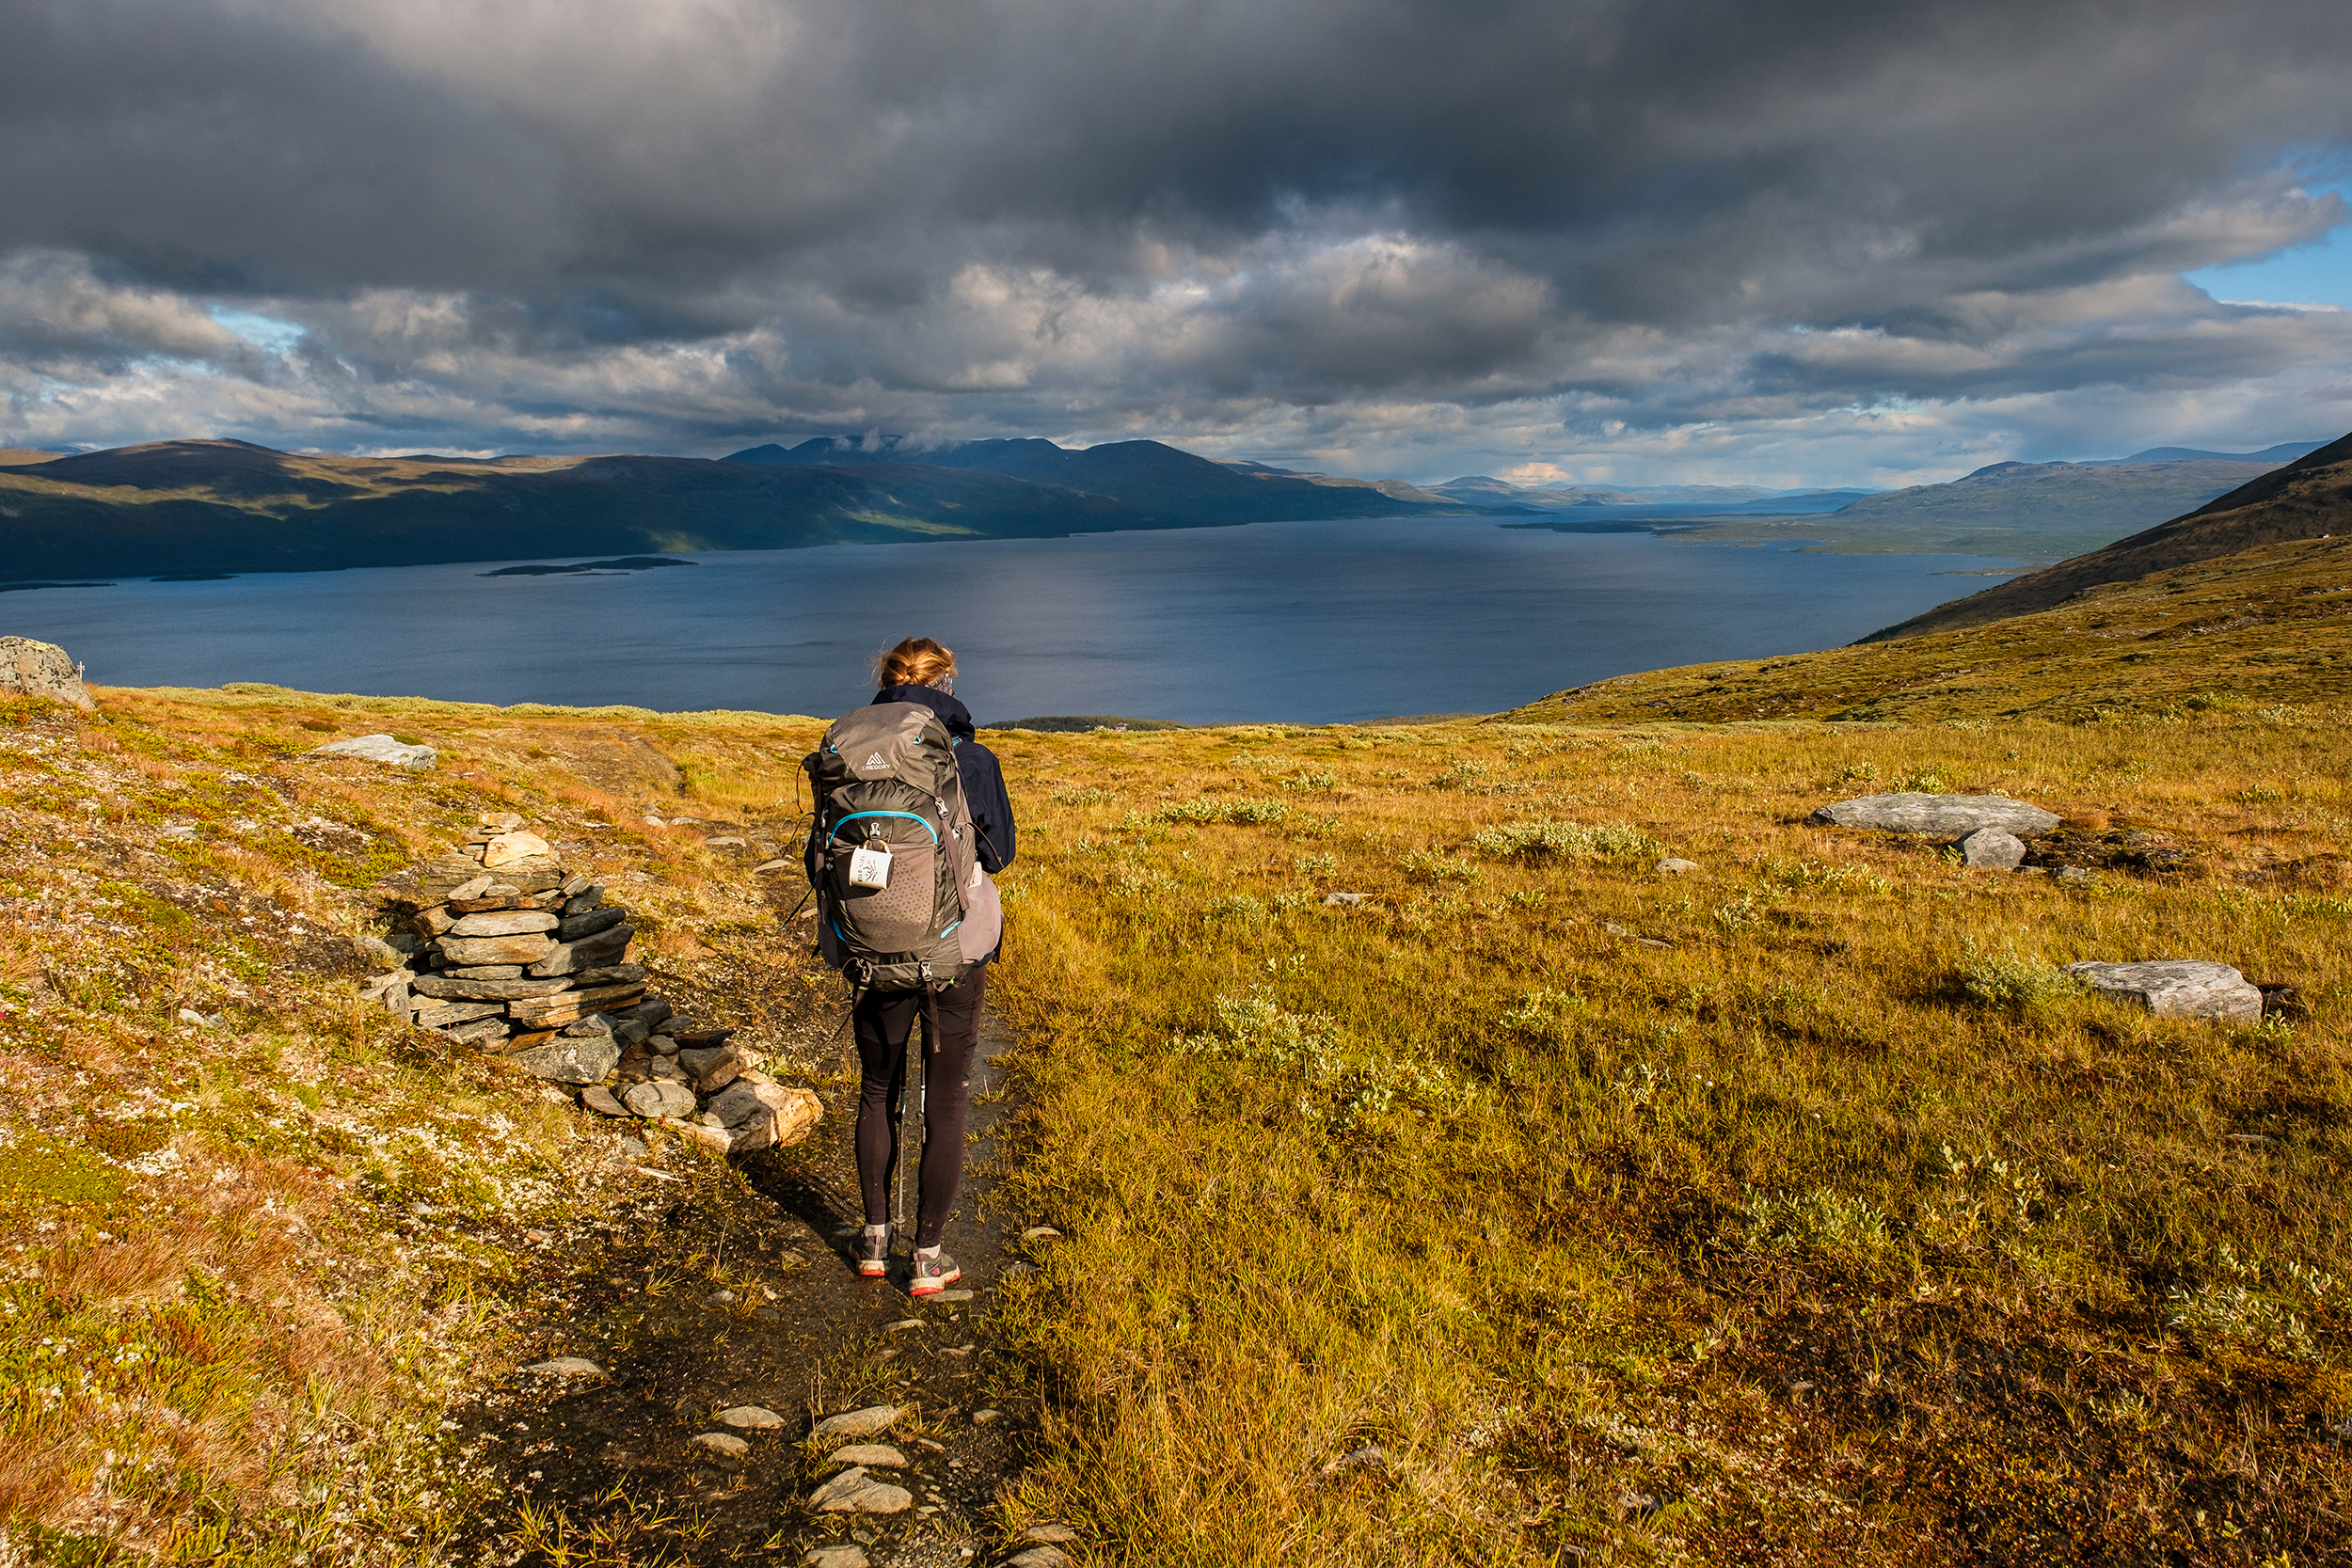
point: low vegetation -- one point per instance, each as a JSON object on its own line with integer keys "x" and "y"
{"x": 1438, "y": 1179}
{"x": 1539, "y": 1207}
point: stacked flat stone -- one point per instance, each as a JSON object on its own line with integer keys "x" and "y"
{"x": 512, "y": 948}
{"x": 515, "y": 953}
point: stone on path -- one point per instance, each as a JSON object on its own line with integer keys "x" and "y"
{"x": 724, "y": 1444}
{"x": 602, "y": 1100}
{"x": 847, "y": 1554}
{"x": 659, "y": 1098}
{"x": 1674, "y": 865}
{"x": 566, "y": 1060}
{"x": 858, "y": 1423}
{"x": 855, "y": 1491}
{"x": 380, "y": 748}
{"x": 566, "y": 1366}
{"x": 752, "y": 1417}
{"x": 1040, "y": 1556}
{"x": 1952, "y": 814}
{"x": 1994, "y": 848}
{"x": 1046, "y": 1535}
{"x": 2176, "y": 988}
{"x": 879, "y": 1456}
{"x": 718, "y": 1140}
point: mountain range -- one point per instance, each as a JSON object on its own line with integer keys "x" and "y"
{"x": 210, "y": 506}
{"x": 175, "y": 507}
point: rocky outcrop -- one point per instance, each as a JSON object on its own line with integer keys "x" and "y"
{"x": 30, "y": 669}
{"x": 1952, "y": 815}
{"x": 2176, "y": 988}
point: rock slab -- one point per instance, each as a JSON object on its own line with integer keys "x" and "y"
{"x": 570, "y": 1060}
{"x": 874, "y": 1456}
{"x": 381, "y": 747}
{"x": 1948, "y": 814}
{"x": 31, "y": 669}
{"x": 855, "y": 1491}
{"x": 1994, "y": 849}
{"x": 857, "y": 1424}
{"x": 752, "y": 1417}
{"x": 845, "y": 1553}
{"x": 2176, "y": 988}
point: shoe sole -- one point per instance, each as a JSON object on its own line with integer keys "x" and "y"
{"x": 933, "y": 1287}
{"x": 872, "y": 1270}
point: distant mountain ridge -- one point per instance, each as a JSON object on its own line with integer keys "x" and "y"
{"x": 1151, "y": 474}
{"x": 176, "y": 507}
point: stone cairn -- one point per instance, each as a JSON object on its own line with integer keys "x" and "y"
{"x": 518, "y": 956}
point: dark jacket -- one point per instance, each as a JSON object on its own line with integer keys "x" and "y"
{"x": 983, "y": 780}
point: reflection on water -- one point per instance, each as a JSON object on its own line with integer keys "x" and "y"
{"x": 1307, "y": 622}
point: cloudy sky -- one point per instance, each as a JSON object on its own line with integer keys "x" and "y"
{"x": 1639, "y": 241}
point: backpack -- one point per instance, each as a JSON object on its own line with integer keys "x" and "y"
{"x": 903, "y": 904}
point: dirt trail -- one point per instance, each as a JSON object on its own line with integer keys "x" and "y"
{"x": 607, "y": 1465}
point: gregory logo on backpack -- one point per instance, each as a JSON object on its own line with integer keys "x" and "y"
{"x": 870, "y": 763}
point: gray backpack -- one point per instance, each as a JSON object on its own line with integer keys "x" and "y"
{"x": 903, "y": 904}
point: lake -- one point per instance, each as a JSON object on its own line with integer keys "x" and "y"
{"x": 1310, "y": 623}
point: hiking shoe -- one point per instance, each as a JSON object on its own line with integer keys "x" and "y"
{"x": 934, "y": 1273}
{"x": 873, "y": 1253}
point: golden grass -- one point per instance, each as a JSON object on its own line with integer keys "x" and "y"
{"x": 247, "y": 1263}
{"x": 1458, "y": 1224}
{"x": 2265, "y": 626}
{"x": 1820, "y": 1235}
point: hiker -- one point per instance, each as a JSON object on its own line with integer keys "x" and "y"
{"x": 922, "y": 673}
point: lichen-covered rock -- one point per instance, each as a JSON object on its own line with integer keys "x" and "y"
{"x": 2176, "y": 988}
{"x": 380, "y": 748}
{"x": 504, "y": 923}
{"x": 654, "y": 1099}
{"x": 30, "y": 669}
{"x": 1947, "y": 814}
{"x": 570, "y": 1060}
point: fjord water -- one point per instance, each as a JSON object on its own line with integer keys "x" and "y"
{"x": 1321, "y": 622}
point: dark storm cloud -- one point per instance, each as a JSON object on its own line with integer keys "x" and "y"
{"x": 676, "y": 220}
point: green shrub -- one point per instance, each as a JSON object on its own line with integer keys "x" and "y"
{"x": 1542, "y": 836}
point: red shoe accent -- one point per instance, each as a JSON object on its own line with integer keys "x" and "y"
{"x": 933, "y": 1285}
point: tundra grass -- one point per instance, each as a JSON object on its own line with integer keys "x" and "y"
{"x": 1538, "y": 1207}
{"x": 256, "y": 1237}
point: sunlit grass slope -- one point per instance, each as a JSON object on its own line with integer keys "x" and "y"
{"x": 1535, "y": 1203}
{"x": 1791, "y": 1211}
{"x": 255, "y": 1236}
{"x": 2272, "y": 624}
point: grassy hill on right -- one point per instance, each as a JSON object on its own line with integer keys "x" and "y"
{"x": 2247, "y": 601}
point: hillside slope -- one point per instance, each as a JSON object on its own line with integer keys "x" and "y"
{"x": 2308, "y": 498}
{"x": 2267, "y": 626}
{"x": 230, "y": 506}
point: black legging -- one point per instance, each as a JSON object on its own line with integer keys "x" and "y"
{"x": 882, "y": 1022}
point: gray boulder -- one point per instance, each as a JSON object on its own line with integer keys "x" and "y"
{"x": 2176, "y": 988}
{"x": 570, "y": 1059}
{"x": 1994, "y": 848}
{"x": 654, "y": 1099}
{"x": 31, "y": 669}
{"x": 1950, "y": 815}
{"x": 381, "y": 747}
